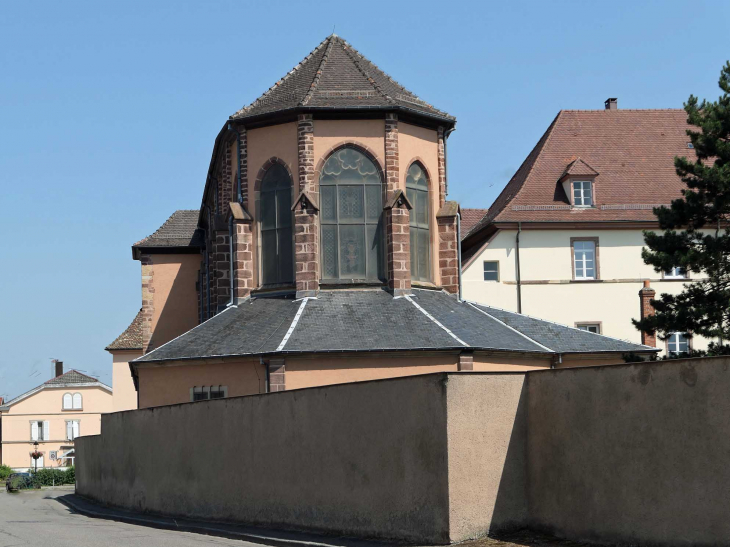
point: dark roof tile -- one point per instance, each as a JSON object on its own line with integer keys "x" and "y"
{"x": 180, "y": 230}
{"x": 131, "y": 338}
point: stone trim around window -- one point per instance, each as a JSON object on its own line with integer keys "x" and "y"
{"x": 597, "y": 259}
{"x": 368, "y": 152}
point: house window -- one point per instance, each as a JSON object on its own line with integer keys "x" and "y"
{"x": 491, "y": 271}
{"x": 417, "y": 193}
{"x": 77, "y": 401}
{"x": 37, "y": 464}
{"x": 72, "y": 429}
{"x": 206, "y": 393}
{"x": 582, "y": 193}
{"x": 277, "y": 262}
{"x": 678, "y": 272}
{"x": 67, "y": 401}
{"x": 351, "y": 217}
{"x": 595, "y": 328}
{"x": 39, "y": 431}
{"x": 678, "y": 342}
{"x": 584, "y": 260}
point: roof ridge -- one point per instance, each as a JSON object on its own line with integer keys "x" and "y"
{"x": 623, "y": 110}
{"x": 349, "y": 51}
{"x": 472, "y": 304}
{"x": 318, "y": 74}
{"x": 287, "y": 76}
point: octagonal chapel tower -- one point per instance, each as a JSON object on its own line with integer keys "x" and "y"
{"x": 336, "y": 176}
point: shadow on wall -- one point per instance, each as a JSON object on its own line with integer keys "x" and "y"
{"x": 179, "y": 311}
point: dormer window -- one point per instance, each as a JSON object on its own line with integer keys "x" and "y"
{"x": 582, "y": 193}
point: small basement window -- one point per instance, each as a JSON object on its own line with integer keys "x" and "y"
{"x": 491, "y": 270}
{"x": 595, "y": 328}
{"x": 205, "y": 393}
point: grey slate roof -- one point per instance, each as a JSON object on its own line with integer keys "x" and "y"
{"x": 336, "y": 76}
{"x": 372, "y": 320}
{"x": 131, "y": 338}
{"x": 180, "y": 230}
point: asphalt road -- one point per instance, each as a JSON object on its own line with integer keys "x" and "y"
{"x": 36, "y": 518}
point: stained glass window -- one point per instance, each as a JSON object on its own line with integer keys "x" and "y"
{"x": 417, "y": 192}
{"x": 276, "y": 227}
{"x": 351, "y": 217}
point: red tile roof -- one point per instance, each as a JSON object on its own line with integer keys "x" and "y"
{"x": 632, "y": 152}
{"x": 469, "y": 219}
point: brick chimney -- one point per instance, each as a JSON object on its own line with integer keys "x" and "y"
{"x": 611, "y": 103}
{"x": 646, "y": 294}
{"x": 59, "y": 367}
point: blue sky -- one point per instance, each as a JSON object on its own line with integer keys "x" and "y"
{"x": 108, "y": 112}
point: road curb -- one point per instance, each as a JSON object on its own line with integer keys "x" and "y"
{"x": 89, "y": 508}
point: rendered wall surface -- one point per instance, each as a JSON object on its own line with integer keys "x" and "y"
{"x": 125, "y": 396}
{"x": 548, "y": 291}
{"x": 635, "y": 454}
{"x": 363, "y": 459}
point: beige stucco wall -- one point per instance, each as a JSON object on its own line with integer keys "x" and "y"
{"x": 545, "y": 256}
{"x": 496, "y": 362}
{"x": 125, "y": 395}
{"x": 367, "y": 133}
{"x": 170, "y": 384}
{"x": 175, "y": 300}
{"x": 47, "y": 405}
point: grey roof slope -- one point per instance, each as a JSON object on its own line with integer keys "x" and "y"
{"x": 70, "y": 378}
{"x": 372, "y": 320}
{"x": 180, "y": 230}
{"x": 131, "y": 338}
{"x": 561, "y": 338}
{"x": 335, "y": 75}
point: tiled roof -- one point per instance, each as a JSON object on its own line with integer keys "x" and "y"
{"x": 632, "y": 152}
{"x": 180, "y": 230}
{"x": 372, "y": 320}
{"x": 131, "y": 338}
{"x": 469, "y": 218}
{"x": 70, "y": 378}
{"x": 336, "y": 76}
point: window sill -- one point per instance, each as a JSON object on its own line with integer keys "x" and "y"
{"x": 72, "y": 410}
{"x": 343, "y": 283}
{"x": 425, "y": 285}
{"x": 586, "y": 280}
{"x": 675, "y": 279}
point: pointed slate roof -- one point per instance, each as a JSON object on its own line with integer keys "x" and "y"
{"x": 335, "y": 76}
{"x": 131, "y": 338}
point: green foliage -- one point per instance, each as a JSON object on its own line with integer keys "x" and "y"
{"x": 5, "y": 472}
{"x": 49, "y": 476}
{"x": 697, "y": 228}
{"x": 713, "y": 350}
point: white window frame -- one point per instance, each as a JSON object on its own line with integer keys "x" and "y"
{"x": 586, "y": 325}
{"x": 80, "y": 405}
{"x": 583, "y": 195}
{"x": 675, "y": 340}
{"x": 74, "y": 434}
{"x": 674, "y": 273}
{"x": 40, "y": 464}
{"x": 484, "y": 271}
{"x": 580, "y": 261}
{"x": 70, "y": 404}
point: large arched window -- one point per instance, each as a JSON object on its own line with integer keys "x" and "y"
{"x": 276, "y": 227}
{"x": 351, "y": 217}
{"x": 417, "y": 192}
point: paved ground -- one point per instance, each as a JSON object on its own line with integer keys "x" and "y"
{"x": 36, "y": 518}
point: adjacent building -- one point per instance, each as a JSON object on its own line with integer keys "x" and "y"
{"x": 563, "y": 240}
{"x": 324, "y": 251}
{"x": 49, "y": 418}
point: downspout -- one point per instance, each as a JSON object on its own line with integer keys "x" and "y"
{"x": 230, "y": 255}
{"x": 517, "y": 258}
{"x": 239, "y": 194}
{"x": 458, "y": 248}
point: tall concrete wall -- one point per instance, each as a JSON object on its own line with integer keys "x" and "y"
{"x": 632, "y": 453}
{"x": 623, "y": 453}
{"x": 359, "y": 459}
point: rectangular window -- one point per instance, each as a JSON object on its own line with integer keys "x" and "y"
{"x": 678, "y": 342}
{"x": 595, "y": 328}
{"x": 678, "y": 272}
{"x": 491, "y": 271}
{"x": 584, "y": 259}
{"x": 582, "y": 193}
{"x": 205, "y": 393}
{"x": 72, "y": 429}
{"x": 39, "y": 431}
